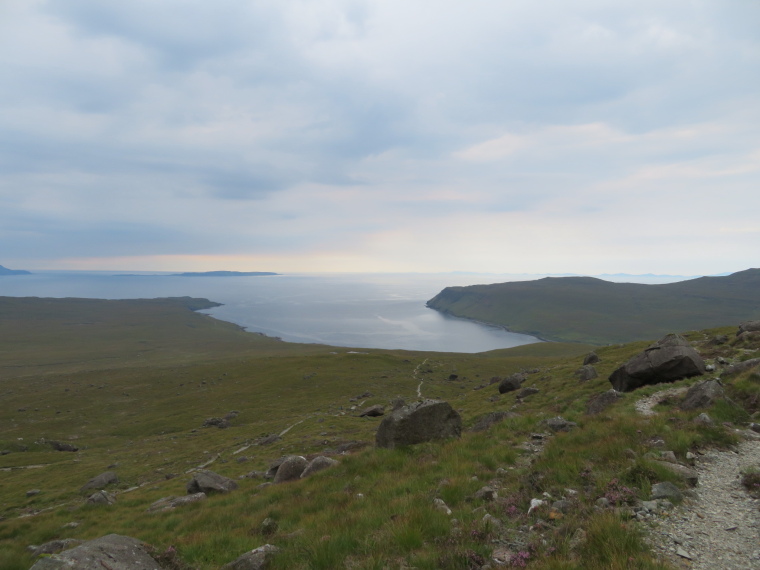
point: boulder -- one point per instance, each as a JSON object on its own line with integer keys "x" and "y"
{"x": 586, "y": 373}
{"x": 488, "y": 420}
{"x": 740, "y": 367}
{"x": 208, "y": 482}
{"x": 427, "y": 420}
{"x": 666, "y": 490}
{"x": 101, "y": 481}
{"x": 703, "y": 395}
{"x": 487, "y": 494}
{"x": 704, "y": 420}
{"x": 373, "y": 411}
{"x": 748, "y": 326}
{"x": 60, "y": 446}
{"x": 290, "y": 469}
{"x": 113, "y": 551}
{"x": 559, "y": 424}
{"x": 529, "y": 391}
{"x": 591, "y": 358}
{"x": 268, "y": 439}
{"x": 686, "y": 473}
{"x": 318, "y": 464}
{"x": 171, "y": 503}
{"x": 600, "y": 402}
{"x": 101, "y": 498}
{"x": 221, "y": 423}
{"x": 257, "y": 559}
{"x": 669, "y": 359}
{"x": 511, "y": 383}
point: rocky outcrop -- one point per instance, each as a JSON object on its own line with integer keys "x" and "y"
{"x": 428, "y": 420}
{"x": 290, "y": 469}
{"x": 209, "y": 482}
{"x": 703, "y": 395}
{"x": 54, "y": 546}
{"x": 511, "y": 383}
{"x": 669, "y": 359}
{"x": 257, "y": 559}
{"x": 101, "y": 481}
{"x": 113, "y": 551}
{"x": 748, "y": 326}
{"x": 600, "y": 402}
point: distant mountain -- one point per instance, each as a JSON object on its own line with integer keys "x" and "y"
{"x": 6, "y": 271}
{"x": 225, "y": 274}
{"x": 587, "y": 309}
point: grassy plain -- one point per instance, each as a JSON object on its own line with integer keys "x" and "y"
{"x": 131, "y": 382}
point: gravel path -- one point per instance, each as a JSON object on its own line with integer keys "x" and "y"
{"x": 719, "y": 529}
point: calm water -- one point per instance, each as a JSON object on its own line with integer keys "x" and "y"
{"x": 364, "y": 311}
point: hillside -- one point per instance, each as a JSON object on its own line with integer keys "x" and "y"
{"x": 586, "y": 309}
{"x": 6, "y": 271}
{"x": 143, "y": 419}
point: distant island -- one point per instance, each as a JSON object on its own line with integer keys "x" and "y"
{"x": 224, "y": 274}
{"x": 6, "y": 271}
{"x": 590, "y": 310}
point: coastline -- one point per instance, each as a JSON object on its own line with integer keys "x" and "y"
{"x": 489, "y": 324}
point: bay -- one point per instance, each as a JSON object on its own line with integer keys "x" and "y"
{"x": 349, "y": 310}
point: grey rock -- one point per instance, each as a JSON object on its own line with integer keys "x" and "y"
{"x": 373, "y": 411}
{"x": 290, "y": 469}
{"x": 603, "y": 502}
{"x": 560, "y": 424}
{"x": 754, "y": 427}
{"x": 669, "y": 359}
{"x": 221, "y": 423}
{"x": 529, "y": 391}
{"x": 630, "y": 453}
{"x": 490, "y": 419}
{"x": 586, "y": 373}
{"x": 54, "y": 546}
{"x": 591, "y": 358}
{"x": 428, "y": 420}
{"x": 269, "y": 526}
{"x": 668, "y": 456}
{"x": 318, "y": 464}
{"x": 686, "y": 473}
{"x": 170, "y": 503}
{"x": 704, "y": 419}
{"x": 397, "y": 404}
{"x": 740, "y": 367}
{"x": 101, "y": 498}
{"x": 101, "y": 481}
{"x": 208, "y": 482}
{"x": 511, "y": 383}
{"x": 579, "y": 539}
{"x": 60, "y": 446}
{"x": 490, "y": 522}
{"x": 600, "y": 402}
{"x": 563, "y": 505}
{"x": 33, "y": 492}
{"x": 703, "y": 395}
{"x": 257, "y": 559}
{"x": 748, "y": 326}
{"x": 269, "y": 439}
{"x": 487, "y": 494}
{"x": 113, "y": 551}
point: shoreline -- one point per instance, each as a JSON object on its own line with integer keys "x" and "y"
{"x": 488, "y": 324}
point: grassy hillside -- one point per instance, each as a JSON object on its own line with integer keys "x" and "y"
{"x": 585, "y": 309}
{"x": 143, "y": 419}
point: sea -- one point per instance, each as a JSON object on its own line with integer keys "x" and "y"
{"x": 348, "y": 310}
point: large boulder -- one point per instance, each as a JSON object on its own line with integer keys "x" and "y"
{"x": 290, "y": 469}
{"x": 703, "y": 395}
{"x": 669, "y": 359}
{"x": 208, "y": 482}
{"x": 423, "y": 421}
{"x": 748, "y": 326}
{"x": 511, "y": 383}
{"x": 113, "y": 551}
{"x": 101, "y": 481}
{"x": 257, "y": 559}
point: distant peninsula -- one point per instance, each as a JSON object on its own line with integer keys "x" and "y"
{"x": 590, "y": 310}
{"x": 6, "y": 271}
{"x": 224, "y": 274}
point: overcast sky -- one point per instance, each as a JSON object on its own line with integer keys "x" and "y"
{"x": 536, "y": 136}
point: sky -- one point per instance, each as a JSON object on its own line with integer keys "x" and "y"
{"x": 498, "y": 136}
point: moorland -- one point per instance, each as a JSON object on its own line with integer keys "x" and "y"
{"x": 130, "y": 385}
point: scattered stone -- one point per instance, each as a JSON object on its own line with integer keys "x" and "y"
{"x": 600, "y": 402}
{"x": 591, "y": 358}
{"x": 101, "y": 498}
{"x": 208, "y": 482}
{"x": 511, "y": 383}
{"x": 170, "y": 503}
{"x": 113, "y": 552}
{"x": 221, "y": 423}
{"x": 490, "y": 522}
{"x": 579, "y": 539}
{"x": 33, "y": 492}
{"x": 269, "y": 526}
{"x": 669, "y": 359}
{"x": 255, "y": 475}
{"x": 529, "y": 391}
{"x": 373, "y": 411}
{"x": 54, "y": 546}
{"x": 666, "y": 490}
{"x": 740, "y": 367}
{"x": 268, "y": 440}
{"x": 290, "y": 469}
{"x": 101, "y": 481}
{"x": 428, "y": 420}
{"x": 703, "y": 395}
{"x": 441, "y": 506}
{"x": 61, "y": 446}
{"x": 487, "y": 494}
{"x": 704, "y": 419}
{"x": 490, "y": 419}
{"x": 603, "y": 502}
{"x": 686, "y": 473}
{"x": 562, "y": 506}
{"x": 668, "y": 456}
{"x": 560, "y": 424}
{"x": 682, "y": 553}
{"x": 453, "y": 377}
{"x": 318, "y": 464}
{"x": 586, "y": 373}
{"x": 257, "y": 559}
